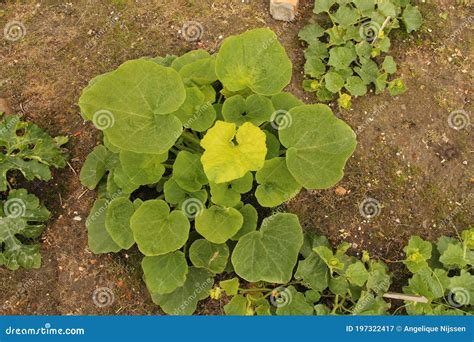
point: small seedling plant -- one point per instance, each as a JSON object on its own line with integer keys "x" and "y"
{"x": 326, "y": 282}
{"x": 194, "y": 148}
{"x": 27, "y": 150}
{"x": 442, "y": 274}
{"x": 349, "y": 55}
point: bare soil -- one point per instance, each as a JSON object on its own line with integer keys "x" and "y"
{"x": 418, "y": 168}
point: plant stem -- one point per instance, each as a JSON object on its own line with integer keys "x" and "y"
{"x": 263, "y": 289}
{"x": 186, "y": 148}
{"x": 191, "y": 138}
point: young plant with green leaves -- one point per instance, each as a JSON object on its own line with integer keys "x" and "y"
{"x": 442, "y": 274}
{"x": 25, "y": 149}
{"x": 325, "y": 282}
{"x": 194, "y": 146}
{"x": 348, "y": 55}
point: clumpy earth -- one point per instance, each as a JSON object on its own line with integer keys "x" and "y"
{"x": 411, "y": 168}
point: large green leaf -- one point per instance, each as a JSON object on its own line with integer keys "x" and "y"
{"x": 188, "y": 172}
{"x": 224, "y": 160}
{"x": 165, "y": 273}
{"x": 276, "y": 184}
{"x": 208, "y": 255}
{"x": 200, "y": 72}
{"x": 292, "y": 303}
{"x": 99, "y": 239}
{"x": 269, "y": 254}
{"x": 357, "y": 274}
{"x": 117, "y": 222}
{"x": 313, "y": 271}
{"x": 256, "y": 60}
{"x": 132, "y": 106}
{"x": 412, "y": 18}
{"x": 143, "y": 168}
{"x": 310, "y": 33}
{"x": 94, "y": 167}
{"x": 250, "y": 215}
{"x": 237, "y": 306}
{"x": 184, "y": 299}
{"x": 319, "y": 145}
{"x": 156, "y": 230}
{"x": 323, "y": 5}
{"x": 196, "y": 112}
{"x": 22, "y": 219}
{"x": 218, "y": 224}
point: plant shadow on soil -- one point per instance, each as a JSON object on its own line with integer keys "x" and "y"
{"x": 408, "y": 158}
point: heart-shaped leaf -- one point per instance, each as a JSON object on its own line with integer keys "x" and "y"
{"x": 250, "y": 215}
{"x": 117, "y": 222}
{"x": 313, "y": 271}
{"x": 277, "y": 185}
{"x": 255, "y": 109}
{"x": 156, "y": 230}
{"x": 99, "y": 239}
{"x": 218, "y": 224}
{"x": 224, "y": 160}
{"x": 165, "y": 273}
{"x": 184, "y": 299}
{"x": 196, "y": 113}
{"x": 208, "y": 255}
{"x": 143, "y": 168}
{"x": 293, "y": 303}
{"x": 250, "y": 60}
{"x": 271, "y": 253}
{"x": 95, "y": 167}
{"x": 228, "y": 194}
{"x": 132, "y": 105}
{"x": 188, "y": 172}
{"x": 201, "y": 72}
{"x": 319, "y": 145}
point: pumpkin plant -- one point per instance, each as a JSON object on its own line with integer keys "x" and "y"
{"x": 194, "y": 147}
{"x": 441, "y": 273}
{"x": 325, "y": 282}
{"x": 28, "y": 150}
{"x": 348, "y": 55}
